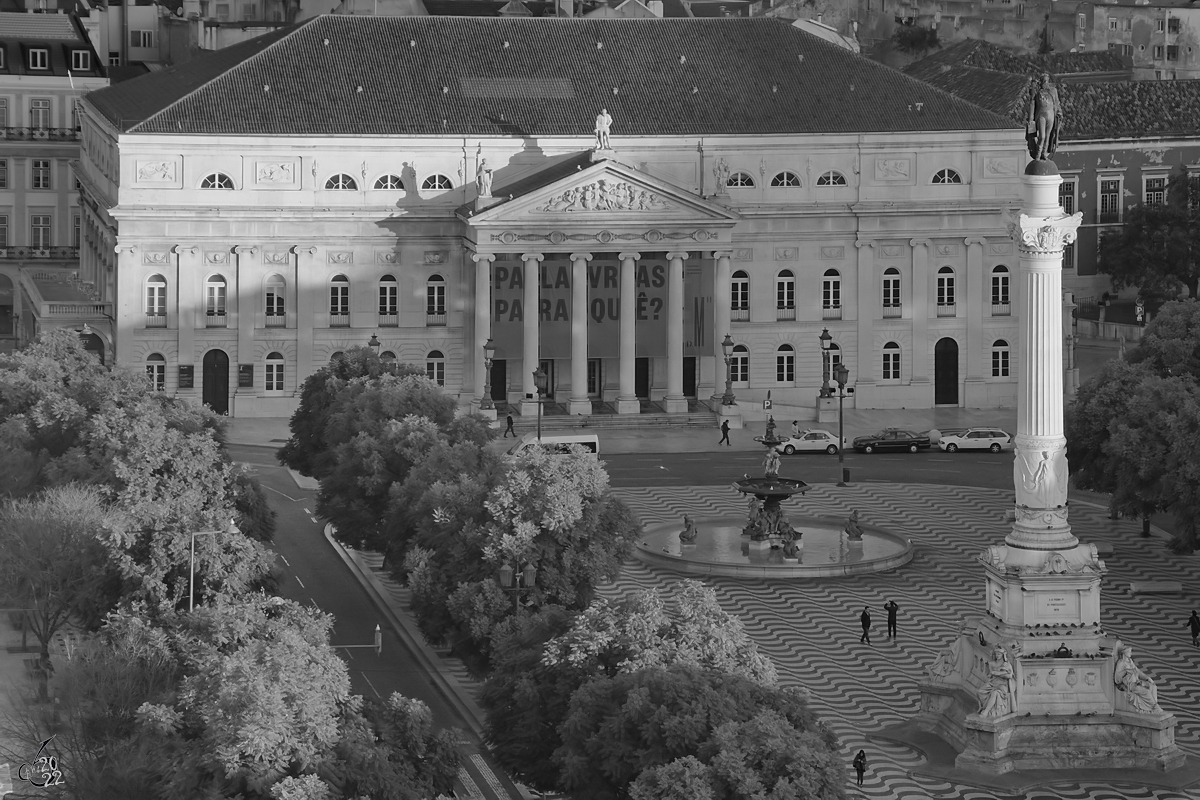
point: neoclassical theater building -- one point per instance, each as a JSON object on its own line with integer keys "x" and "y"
{"x": 426, "y": 184}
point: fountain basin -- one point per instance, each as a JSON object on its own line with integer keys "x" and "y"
{"x": 722, "y": 549}
{"x": 771, "y": 487}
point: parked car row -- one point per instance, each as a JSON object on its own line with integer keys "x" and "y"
{"x": 950, "y": 440}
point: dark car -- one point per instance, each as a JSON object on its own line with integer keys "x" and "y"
{"x": 892, "y": 439}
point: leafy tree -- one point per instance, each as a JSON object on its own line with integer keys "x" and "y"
{"x": 1157, "y": 250}
{"x": 307, "y": 448}
{"x": 1170, "y": 344}
{"x": 253, "y": 514}
{"x": 619, "y": 727}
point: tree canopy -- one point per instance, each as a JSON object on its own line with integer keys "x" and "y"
{"x": 1157, "y": 249}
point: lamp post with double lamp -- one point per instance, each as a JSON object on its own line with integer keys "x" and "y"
{"x": 232, "y": 529}
{"x": 517, "y": 582}
{"x": 539, "y": 382}
{"x": 842, "y": 375}
{"x": 727, "y": 348}
{"x": 489, "y": 352}
{"x": 826, "y": 340}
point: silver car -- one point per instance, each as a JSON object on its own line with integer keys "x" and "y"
{"x": 992, "y": 439}
{"x": 816, "y": 441}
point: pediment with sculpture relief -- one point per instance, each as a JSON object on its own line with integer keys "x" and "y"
{"x": 605, "y": 195}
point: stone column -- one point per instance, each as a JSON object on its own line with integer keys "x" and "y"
{"x": 244, "y": 311}
{"x": 187, "y": 301}
{"x": 920, "y": 312}
{"x": 532, "y": 277}
{"x": 580, "y": 404}
{"x": 675, "y": 402}
{"x": 720, "y": 323}
{"x": 310, "y": 289}
{"x": 627, "y": 402}
{"x": 483, "y": 321}
{"x": 867, "y": 308}
{"x": 974, "y": 290}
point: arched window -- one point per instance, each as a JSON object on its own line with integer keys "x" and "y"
{"x": 156, "y": 302}
{"x": 214, "y": 300}
{"x": 276, "y": 310}
{"x": 435, "y": 367}
{"x": 389, "y": 182}
{"x": 740, "y": 180}
{"x": 786, "y": 179}
{"x": 437, "y": 182}
{"x": 387, "y": 355}
{"x": 739, "y": 365}
{"x": 435, "y": 300}
{"x": 999, "y": 291}
{"x": 999, "y": 359}
{"x": 274, "y": 372}
{"x": 339, "y": 301}
{"x": 785, "y": 364}
{"x": 156, "y": 370}
{"x": 891, "y": 292}
{"x": 891, "y": 362}
{"x": 832, "y": 178}
{"x": 217, "y": 180}
{"x": 336, "y": 355}
{"x": 739, "y": 295}
{"x": 947, "y": 176}
{"x": 831, "y": 290}
{"x": 785, "y": 290}
{"x": 341, "y": 182}
{"x": 388, "y": 292}
{"x": 830, "y": 359}
{"x": 945, "y": 289}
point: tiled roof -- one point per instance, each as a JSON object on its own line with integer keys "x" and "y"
{"x": 557, "y": 170}
{"x": 59, "y": 34}
{"x": 985, "y": 55}
{"x": 40, "y": 27}
{"x": 358, "y": 75}
{"x": 1001, "y": 92}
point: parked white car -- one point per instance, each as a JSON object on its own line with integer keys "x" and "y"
{"x": 814, "y": 441}
{"x": 992, "y": 439}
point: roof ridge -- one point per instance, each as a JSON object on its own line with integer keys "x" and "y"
{"x": 205, "y": 84}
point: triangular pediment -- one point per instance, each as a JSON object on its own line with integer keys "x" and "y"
{"x": 606, "y": 193}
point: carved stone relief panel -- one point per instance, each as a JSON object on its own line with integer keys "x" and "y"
{"x": 156, "y": 258}
{"x": 277, "y": 257}
{"x": 436, "y": 256}
{"x": 892, "y": 169}
{"x": 947, "y": 249}
{"x": 1000, "y": 166}
{"x": 605, "y": 195}
{"x": 743, "y": 254}
{"x": 1002, "y": 249}
{"x": 787, "y": 253}
{"x": 165, "y": 172}
{"x": 891, "y": 250}
{"x": 217, "y": 257}
{"x": 282, "y": 173}
{"x": 833, "y": 252}
{"x": 341, "y": 257}
{"x": 387, "y": 257}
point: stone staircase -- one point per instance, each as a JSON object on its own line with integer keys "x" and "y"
{"x": 604, "y": 416}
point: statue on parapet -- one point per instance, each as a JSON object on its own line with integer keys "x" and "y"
{"x": 483, "y": 179}
{"x": 604, "y": 122}
{"x": 1044, "y": 120}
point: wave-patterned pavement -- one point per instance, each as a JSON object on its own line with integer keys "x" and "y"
{"x": 811, "y": 629}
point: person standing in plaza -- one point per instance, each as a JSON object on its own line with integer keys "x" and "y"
{"x": 509, "y": 429}
{"x": 795, "y": 429}
{"x": 891, "y": 608}
{"x": 866, "y": 623}
{"x": 725, "y": 434}
{"x": 860, "y": 765}
{"x": 1194, "y": 623}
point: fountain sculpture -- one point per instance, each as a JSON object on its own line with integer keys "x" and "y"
{"x": 766, "y": 525}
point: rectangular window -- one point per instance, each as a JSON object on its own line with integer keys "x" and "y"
{"x": 435, "y": 370}
{"x": 2, "y": 59}
{"x": 39, "y": 114}
{"x": 157, "y": 370}
{"x": 1082, "y": 22}
{"x": 39, "y": 231}
{"x": 75, "y": 231}
{"x": 1112, "y": 23}
{"x": 1069, "y": 257}
{"x": 739, "y": 297}
{"x": 785, "y": 368}
{"x": 250, "y": 11}
{"x": 1110, "y": 201}
{"x": 1000, "y": 289}
{"x": 1066, "y": 196}
{"x": 141, "y": 38}
{"x": 891, "y": 292}
{"x": 3, "y": 102}
{"x": 222, "y": 12}
{"x": 831, "y": 293}
{"x": 739, "y": 368}
{"x": 435, "y": 299}
{"x": 3, "y": 173}
{"x": 1173, "y": 25}
{"x": 785, "y": 293}
{"x": 1172, "y": 52}
{"x": 274, "y": 377}
{"x": 1156, "y": 191}
{"x": 41, "y": 173}
{"x": 3, "y": 230}
{"x": 156, "y": 299}
{"x": 387, "y": 300}
{"x": 999, "y": 363}
{"x": 39, "y": 58}
{"x": 945, "y": 290}
{"x": 339, "y": 300}
{"x": 1158, "y": 25}
{"x": 1127, "y": 24}
{"x": 81, "y": 60}
{"x": 891, "y": 365}
{"x": 1158, "y": 52}
{"x": 274, "y": 303}
{"x": 114, "y": 58}
{"x": 215, "y": 300}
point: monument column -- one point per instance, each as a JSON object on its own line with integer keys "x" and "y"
{"x": 975, "y": 287}
{"x": 627, "y": 402}
{"x": 920, "y": 312}
{"x": 675, "y": 402}
{"x": 720, "y": 325}
{"x": 483, "y": 320}
{"x": 580, "y": 404}
{"x": 532, "y": 279}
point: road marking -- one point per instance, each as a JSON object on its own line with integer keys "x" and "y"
{"x": 289, "y": 497}
{"x": 465, "y": 779}
{"x": 488, "y": 775}
{"x": 306, "y": 511}
{"x": 314, "y": 602}
{"x": 285, "y": 561}
{"x": 302, "y": 586}
{"x": 373, "y": 689}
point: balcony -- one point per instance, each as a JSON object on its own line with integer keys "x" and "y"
{"x": 40, "y": 254}
{"x": 156, "y": 320}
{"x": 276, "y": 320}
{"x": 39, "y": 134}
{"x": 389, "y": 320}
{"x": 60, "y": 295}
{"x": 339, "y": 320}
{"x": 946, "y": 310}
{"x": 1108, "y": 217}
{"x": 892, "y": 310}
{"x": 785, "y": 313}
{"x": 1000, "y": 310}
{"x": 739, "y": 314}
{"x": 435, "y": 320}
{"x": 215, "y": 319}
{"x": 831, "y": 312}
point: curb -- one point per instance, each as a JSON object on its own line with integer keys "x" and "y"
{"x": 445, "y": 682}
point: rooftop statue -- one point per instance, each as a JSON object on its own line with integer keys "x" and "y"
{"x": 1044, "y": 120}
{"x": 604, "y": 122}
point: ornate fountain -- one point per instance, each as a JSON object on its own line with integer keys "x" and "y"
{"x": 766, "y": 525}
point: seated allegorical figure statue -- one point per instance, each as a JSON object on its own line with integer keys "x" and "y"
{"x": 853, "y": 531}
{"x": 1140, "y": 690}
{"x": 690, "y": 531}
{"x": 999, "y": 696}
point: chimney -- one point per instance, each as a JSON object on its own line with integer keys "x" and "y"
{"x": 655, "y": 6}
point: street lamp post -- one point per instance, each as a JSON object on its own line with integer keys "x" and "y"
{"x": 192, "y": 563}
{"x": 512, "y": 581}
{"x": 374, "y": 344}
{"x": 727, "y": 348}
{"x": 489, "y": 352}
{"x": 842, "y": 376}
{"x": 539, "y": 382}
{"x": 826, "y": 340}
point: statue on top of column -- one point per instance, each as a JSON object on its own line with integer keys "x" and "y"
{"x": 1044, "y": 120}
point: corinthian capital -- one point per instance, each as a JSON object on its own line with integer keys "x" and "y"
{"x": 1043, "y": 234}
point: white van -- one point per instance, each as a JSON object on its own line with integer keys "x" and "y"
{"x": 557, "y": 443}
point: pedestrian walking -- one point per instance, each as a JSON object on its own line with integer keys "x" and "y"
{"x": 509, "y": 429}
{"x": 866, "y": 623}
{"x": 725, "y": 434}
{"x": 891, "y": 608}
{"x": 1194, "y": 623}
{"x": 860, "y": 765}
{"x": 795, "y": 429}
